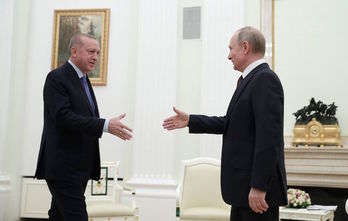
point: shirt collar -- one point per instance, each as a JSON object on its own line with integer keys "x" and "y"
{"x": 252, "y": 66}
{"x": 78, "y": 71}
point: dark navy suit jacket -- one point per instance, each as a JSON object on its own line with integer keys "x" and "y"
{"x": 70, "y": 139}
{"x": 253, "y": 145}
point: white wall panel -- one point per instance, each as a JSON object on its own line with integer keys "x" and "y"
{"x": 220, "y": 20}
{"x": 311, "y": 59}
{"x": 153, "y": 156}
{"x": 6, "y": 14}
{"x": 155, "y": 86}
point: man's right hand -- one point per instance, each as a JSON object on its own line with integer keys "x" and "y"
{"x": 180, "y": 120}
{"x": 117, "y": 128}
{"x": 257, "y": 200}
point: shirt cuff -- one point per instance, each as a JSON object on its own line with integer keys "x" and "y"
{"x": 106, "y": 126}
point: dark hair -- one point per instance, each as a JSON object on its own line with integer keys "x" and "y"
{"x": 254, "y": 37}
{"x": 76, "y": 39}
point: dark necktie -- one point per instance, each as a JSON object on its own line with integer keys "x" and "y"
{"x": 239, "y": 80}
{"x": 85, "y": 86}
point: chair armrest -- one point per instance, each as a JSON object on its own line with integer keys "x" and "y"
{"x": 128, "y": 188}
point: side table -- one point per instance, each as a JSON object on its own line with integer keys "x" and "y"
{"x": 304, "y": 214}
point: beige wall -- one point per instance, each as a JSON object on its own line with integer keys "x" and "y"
{"x": 311, "y": 52}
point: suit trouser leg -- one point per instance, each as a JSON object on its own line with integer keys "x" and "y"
{"x": 246, "y": 214}
{"x": 68, "y": 200}
{"x": 53, "y": 212}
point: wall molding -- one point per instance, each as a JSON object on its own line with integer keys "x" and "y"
{"x": 317, "y": 166}
{"x": 155, "y": 188}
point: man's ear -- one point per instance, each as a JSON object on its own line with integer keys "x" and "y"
{"x": 246, "y": 47}
{"x": 73, "y": 52}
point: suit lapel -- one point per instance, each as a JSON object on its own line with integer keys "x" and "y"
{"x": 239, "y": 90}
{"x": 79, "y": 88}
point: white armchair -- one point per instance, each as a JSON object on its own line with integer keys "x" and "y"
{"x": 103, "y": 197}
{"x": 200, "y": 195}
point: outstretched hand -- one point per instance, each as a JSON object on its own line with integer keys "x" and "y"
{"x": 117, "y": 128}
{"x": 177, "y": 121}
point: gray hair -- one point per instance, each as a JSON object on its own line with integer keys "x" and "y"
{"x": 254, "y": 37}
{"x": 76, "y": 39}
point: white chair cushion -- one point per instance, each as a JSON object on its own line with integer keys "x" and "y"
{"x": 108, "y": 209}
{"x": 206, "y": 213}
{"x": 198, "y": 179}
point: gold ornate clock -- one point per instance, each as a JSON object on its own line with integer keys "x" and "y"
{"x": 316, "y": 134}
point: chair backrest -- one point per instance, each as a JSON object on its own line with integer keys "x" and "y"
{"x": 201, "y": 184}
{"x": 105, "y": 189}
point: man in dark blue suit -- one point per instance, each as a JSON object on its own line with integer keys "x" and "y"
{"x": 253, "y": 178}
{"x": 69, "y": 152}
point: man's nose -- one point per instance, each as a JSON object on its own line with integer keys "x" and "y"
{"x": 95, "y": 56}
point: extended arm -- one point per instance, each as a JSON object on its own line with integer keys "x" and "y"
{"x": 196, "y": 123}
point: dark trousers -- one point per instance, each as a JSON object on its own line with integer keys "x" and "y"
{"x": 68, "y": 200}
{"x": 246, "y": 214}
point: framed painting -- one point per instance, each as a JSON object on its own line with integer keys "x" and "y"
{"x": 94, "y": 22}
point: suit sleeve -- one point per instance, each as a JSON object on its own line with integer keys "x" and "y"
{"x": 267, "y": 104}
{"x": 57, "y": 103}
{"x": 205, "y": 124}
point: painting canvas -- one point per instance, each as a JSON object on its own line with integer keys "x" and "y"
{"x": 94, "y": 22}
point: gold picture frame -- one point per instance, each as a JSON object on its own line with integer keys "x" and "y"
{"x": 88, "y": 21}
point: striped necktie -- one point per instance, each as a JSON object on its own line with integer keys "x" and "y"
{"x": 85, "y": 86}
